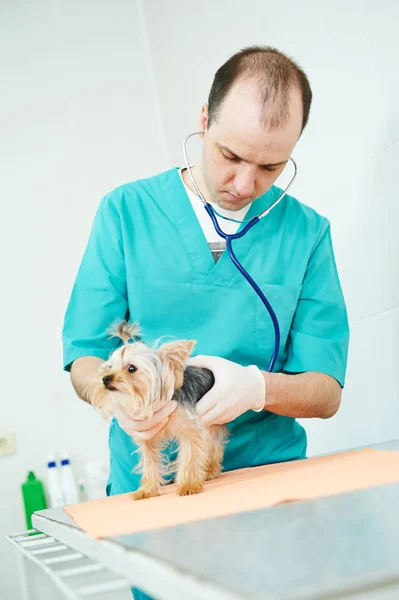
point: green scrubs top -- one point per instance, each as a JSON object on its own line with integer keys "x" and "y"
{"x": 147, "y": 260}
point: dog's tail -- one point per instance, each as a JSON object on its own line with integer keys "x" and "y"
{"x": 124, "y": 330}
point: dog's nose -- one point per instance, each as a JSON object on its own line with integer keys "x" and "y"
{"x": 107, "y": 380}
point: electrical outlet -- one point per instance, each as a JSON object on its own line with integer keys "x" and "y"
{"x": 8, "y": 443}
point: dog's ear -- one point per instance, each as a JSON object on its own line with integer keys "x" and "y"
{"x": 175, "y": 354}
{"x": 124, "y": 330}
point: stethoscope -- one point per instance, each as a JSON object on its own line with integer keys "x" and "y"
{"x": 235, "y": 236}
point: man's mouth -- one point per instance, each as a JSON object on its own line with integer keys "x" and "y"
{"x": 238, "y": 199}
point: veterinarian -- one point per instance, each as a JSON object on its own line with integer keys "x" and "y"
{"x": 153, "y": 256}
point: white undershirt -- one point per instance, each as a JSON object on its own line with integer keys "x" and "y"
{"x": 205, "y": 221}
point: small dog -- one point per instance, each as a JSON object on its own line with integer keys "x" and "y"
{"x": 143, "y": 380}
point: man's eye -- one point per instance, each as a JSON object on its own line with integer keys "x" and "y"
{"x": 131, "y": 368}
{"x": 269, "y": 169}
{"x": 230, "y": 158}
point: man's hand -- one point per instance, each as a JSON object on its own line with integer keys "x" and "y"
{"x": 236, "y": 390}
{"x": 145, "y": 429}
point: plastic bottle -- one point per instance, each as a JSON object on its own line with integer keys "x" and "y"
{"x": 33, "y": 496}
{"x": 68, "y": 484}
{"x": 96, "y": 479}
{"x": 53, "y": 484}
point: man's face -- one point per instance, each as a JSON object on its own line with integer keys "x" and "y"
{"x": 241, "y": 158}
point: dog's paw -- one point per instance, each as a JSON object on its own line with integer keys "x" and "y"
{"x": 212, "y": 475}
{"x": 188, "y": 489}
{"x": 143, "y": 494}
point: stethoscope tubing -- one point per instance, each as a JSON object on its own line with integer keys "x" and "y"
{"x": 234, "y": 236}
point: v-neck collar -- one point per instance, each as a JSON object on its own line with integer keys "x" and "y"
{"x": 192, "y": 236}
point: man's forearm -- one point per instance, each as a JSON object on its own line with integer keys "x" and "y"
{"x": 82, "y": 373}
{"x": 302, "y": 396}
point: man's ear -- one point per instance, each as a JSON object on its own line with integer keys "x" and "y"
{"x": 175, "y": 354}
{"x": 204, "y": 118}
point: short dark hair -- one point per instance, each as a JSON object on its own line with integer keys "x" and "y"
{"x": 276, "y": 74}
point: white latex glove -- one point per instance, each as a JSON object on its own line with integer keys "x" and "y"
{"x": 144, "y": 429}
{"x": 236, "y": 390}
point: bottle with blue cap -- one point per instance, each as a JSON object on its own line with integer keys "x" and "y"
{"x": 54, "y": 489}
{"x": 68, "y": 483}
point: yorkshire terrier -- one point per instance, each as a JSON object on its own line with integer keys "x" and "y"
{"x": 142, "y": 380}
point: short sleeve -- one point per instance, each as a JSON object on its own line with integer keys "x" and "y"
{"x": 319, "y": 336}
{"x": 99, "y": 295}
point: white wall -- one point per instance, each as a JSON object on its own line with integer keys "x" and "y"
{"x": 347, "y": 160}
{"x": 79, "y": 116}
{"x": 76, "y": 120}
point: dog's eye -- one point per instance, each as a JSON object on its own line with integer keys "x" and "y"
{"x": 131, "y": 368}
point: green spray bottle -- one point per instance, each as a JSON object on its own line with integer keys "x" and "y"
{"x": 33, "y": 495}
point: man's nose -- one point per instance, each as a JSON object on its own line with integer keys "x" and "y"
{"x": 107, "y": 380}
{"x": 244, "y": 181}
